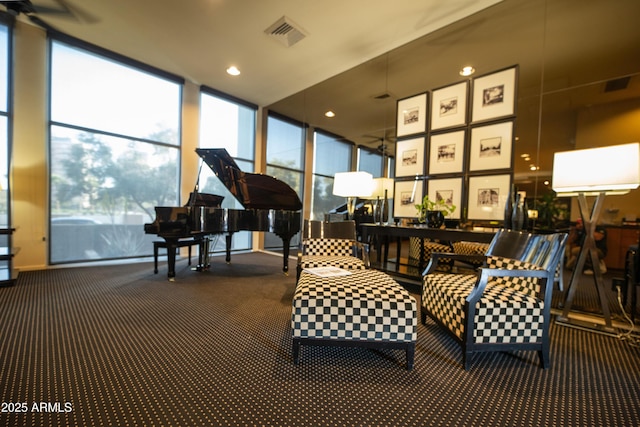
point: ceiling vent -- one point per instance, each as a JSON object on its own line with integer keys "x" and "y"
{"x": 285, "y": 31}
{"x": 617, "y": 84}
{"x": 384, "y": 95}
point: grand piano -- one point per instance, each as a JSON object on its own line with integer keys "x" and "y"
{"x": 269, "y": 205}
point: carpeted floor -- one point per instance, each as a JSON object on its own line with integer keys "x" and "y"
{"x": 120, "y": 346}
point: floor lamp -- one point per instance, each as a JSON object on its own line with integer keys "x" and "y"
{"x": 595, "y": 172}
{"x": 352, "y": 185}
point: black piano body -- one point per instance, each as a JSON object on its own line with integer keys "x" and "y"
{"x": 270, "y": 206}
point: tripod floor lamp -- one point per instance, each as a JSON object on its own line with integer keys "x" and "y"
{"x": 598, "y": 172}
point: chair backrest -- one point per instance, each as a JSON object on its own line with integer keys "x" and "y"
{"x": 542, "y": 250}
{"x": 329, "y": 230}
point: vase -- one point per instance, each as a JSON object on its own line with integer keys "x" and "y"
{"x": 517, "y": 215}
{"x": 435, "y": 219}
{"x": 384, "y": 210}
{"x": 509, "y": 205}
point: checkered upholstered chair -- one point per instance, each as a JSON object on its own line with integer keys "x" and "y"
{"x": 335, "y": 244}
{"x": 506, "y": 305}
{"x": 420, "y": 251}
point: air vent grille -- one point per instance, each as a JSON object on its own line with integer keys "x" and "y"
{"x": 617, "y": 84}
{"x": 382, "y": 96}
{"x": 285, "y": 31}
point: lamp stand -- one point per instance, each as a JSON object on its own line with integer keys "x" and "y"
{"x": 588, "y": 249}
{"x": 351, "y": 207}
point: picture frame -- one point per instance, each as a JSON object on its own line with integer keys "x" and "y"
{"x": 494, "y": 95}
{"x": 410, "y": 157}
{"x": 487, "y": 197}
{"x": 411, "y": 115}
{"x": 449, "y": 189}
{"x": 405, "y": 196}
{"x": 491, "y": 147}
{"x": 449, "y": 106}
{"x": 446, "y": 152}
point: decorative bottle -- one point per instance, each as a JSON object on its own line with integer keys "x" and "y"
{"x": 508, "y": 206}
{"x": 517, "y": 216}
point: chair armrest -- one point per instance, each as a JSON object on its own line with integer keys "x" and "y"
{"x": 486, "y": 273}
{"x": 437, "y": 256}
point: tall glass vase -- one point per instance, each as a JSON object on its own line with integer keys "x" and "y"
{"x": 508, "y": 206}
{"x": 384, "y": 210}
{"x": 517, "y": 216}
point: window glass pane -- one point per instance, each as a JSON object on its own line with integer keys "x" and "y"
{"x": 225, "y": 124}
{"x": 114, "y": 155}
{"x": 4, "y": 66}
{"x": 93, "y": 92}
{"x": 103, "y": 189}
{"x": 323, "y": 198}
{"x": 232, "y": 126}
{"x": 285, "y": 144}
{"x": 370, "y": 161}
{"x": 4, "y": 131}
{"x": 330, "y": 155}
{"x": 4, "y": 173}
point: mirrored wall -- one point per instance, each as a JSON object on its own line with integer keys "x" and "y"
{"x": 578, "y": 83}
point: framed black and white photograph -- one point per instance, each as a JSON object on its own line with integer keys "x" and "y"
{"x": 410, "y": 157}
{"x": 494, "y": 95}
{"x": 406, "y": 195}
{"x": 449, "y": 190}
{"x": 487, "y": 197}
{"x": 491, "y": 147}
{"x": 412, "y": 115}
{"x": 446, "y": 152}
{"x": 449, "y": 106}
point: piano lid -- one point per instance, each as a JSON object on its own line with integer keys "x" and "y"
{"x": 253, "y": 191}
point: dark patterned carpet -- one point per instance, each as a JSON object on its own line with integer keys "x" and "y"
{"x": 120, "y": 346}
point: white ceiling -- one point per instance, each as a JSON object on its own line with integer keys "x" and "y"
{"x": 199, "y": 39}
{"x": 357, "y": 49}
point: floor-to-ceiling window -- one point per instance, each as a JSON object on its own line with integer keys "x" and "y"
{"x": 331, "y": 154}
{"x": 285, "y": 161}
{"x": 114, "y": 152}
{"x": 5, "y": 150}
{"x": 227, "y": 123}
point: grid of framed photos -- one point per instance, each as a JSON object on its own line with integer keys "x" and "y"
{"x": 455, "y": 143}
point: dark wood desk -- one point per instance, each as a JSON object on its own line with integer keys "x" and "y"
{"x": 382, "y": 234}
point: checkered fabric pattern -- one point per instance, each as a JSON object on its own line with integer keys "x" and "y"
{"x": 528, "y": 285}
{"x": 470, "y": 248}
{"x": 346, "y": 262}
{"x": 429, "y": 248}
{"x": 330, "y": 252}
{"x": 503, "y": 314}
{"x": 366, "y": 305}
{"x": 328, "y": 247}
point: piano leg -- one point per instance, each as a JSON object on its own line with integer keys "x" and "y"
{"x": 286, "y": 241}
{"x": 228, "y": 239}
{"x": 172, "y": 245}
{"x": 203, "y": 254}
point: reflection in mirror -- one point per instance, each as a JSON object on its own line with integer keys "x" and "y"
{"x": 579, "y": 65}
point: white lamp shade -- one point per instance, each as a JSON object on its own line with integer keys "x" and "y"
{"x": 379, "y": 187}
{"x": 614, "y": 169}
{"x": 353, "y": 184}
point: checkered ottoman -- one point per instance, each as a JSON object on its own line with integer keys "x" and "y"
{"x": 364, "y": 308}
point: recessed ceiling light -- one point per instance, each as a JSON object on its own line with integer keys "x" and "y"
{"x": 467, "y": 71}
{"x": 330, "y": 114}
{"x": 233, "y": 70}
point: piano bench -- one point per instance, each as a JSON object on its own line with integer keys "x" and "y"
{"x": 181, "y": 244}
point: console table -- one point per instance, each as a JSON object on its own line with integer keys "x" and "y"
{"x": 382, "y": 235}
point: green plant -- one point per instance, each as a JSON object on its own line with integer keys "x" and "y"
{"x": 433, "y": 205}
